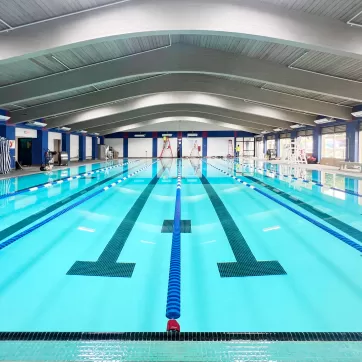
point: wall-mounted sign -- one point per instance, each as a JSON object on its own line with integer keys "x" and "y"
{"x": 12, "y": 144}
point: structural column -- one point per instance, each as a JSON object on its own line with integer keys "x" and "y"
{"x": 317, "y": 143}
{"x": 204, "y": 144}
{"x": 94, "y": 148}
{"x": 125, "y": 145}
{"x": 352, "y": 141}
{"x": 277, "y": 144}
{"x": 40, "y": 146}
{"x": 82, "y": 150}
{"x": 8, "y": 132}
{"x": 66, "y": 143}
{"x": 154, "y": 144}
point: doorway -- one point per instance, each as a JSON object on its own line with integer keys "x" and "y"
{"x": 57, "y": 148}
{"x": 25, "y": 151}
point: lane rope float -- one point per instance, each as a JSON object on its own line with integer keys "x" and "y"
{"x": 173, "y": 306}
{"x": 62, "y": 180}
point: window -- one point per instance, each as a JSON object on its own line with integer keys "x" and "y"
{"x": 246, "y": 146}
{"x": 283, "y": 143}
{"x": 334, "y": 142}
{"x": 305, "y": 138}
{"x": 270, "y": 142}
{"x": 259, "y": 147}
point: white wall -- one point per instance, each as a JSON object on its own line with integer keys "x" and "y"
{"x": 116, "y": 143}
{"x": 188, "y": 144}
{"x": 88, "y": 147}
{"x": 26, "y": 132}
{"x": 74, "y": 147}
{"x": 54, "y": 136}
{"x": 137, "y": 147}
{"x": 218, "y": 146}
{"x": 173, "y": 143}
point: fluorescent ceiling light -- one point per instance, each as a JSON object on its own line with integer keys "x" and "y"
{"x": 278, "y": 129}
{"x": 192, "y": 134}
{"x": 95, "y": 134}
{"x": 64, "y": 128}
{"x": 36, "y": 124}
{"x": 324, "y": 120}
{"x": 297, "y": 126}
{"x": 166, "y": 135}
{"x": 264, "y": 132}
{"x": 4, "y": 118}
{"x": 357, "y": 114}
{"x": 140, "y": 135}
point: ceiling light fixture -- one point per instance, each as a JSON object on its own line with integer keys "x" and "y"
{"x": 293, "y": 126}
{"x": 324, "y": 120}
{"x": 36, "y": 124}
{"x": 357, "y": 114}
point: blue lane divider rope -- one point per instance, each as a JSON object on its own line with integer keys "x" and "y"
{"x": 52, "y": 217}
{"x": 173, "y": 307}
{"x": 334, "y": 233}
{"x": 62, "y": 180}
{"x": 301, "y": 178}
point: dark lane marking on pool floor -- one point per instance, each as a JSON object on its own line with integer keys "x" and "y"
{"x": 12, "y": 229}
{"x": 338, "y": 224}
{"x": 106, "y": 265}
{"x": 167, "y": 226}
{"x": 246, "y": 263}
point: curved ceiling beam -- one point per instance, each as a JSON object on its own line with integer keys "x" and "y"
{"x": 244, "y": 18}
{"x": 181, "y": 58}
{"x": 194, "y": 110}
{"x": 181, "y": 115}
{"x": 116, "y": 109}
{"x": 182, "y": 82}
{"x": 152, "y": 121}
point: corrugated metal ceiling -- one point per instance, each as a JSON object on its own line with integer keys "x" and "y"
{"x": 71, "y": 93}
{"x": 342, "y": 10}
{"x": 20, "y": 12}
{"x": 100, "y": 52}
{"x": 74, "y": 58}
{"x": 331, "y": 64}
{"x": 118, "y": 82}
{"x": 279, "y": 53}
{"x": 305, "y": 94}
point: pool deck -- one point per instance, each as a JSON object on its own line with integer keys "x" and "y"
{"x": 36, "y": 169}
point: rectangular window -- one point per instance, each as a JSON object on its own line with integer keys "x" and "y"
{"x": 284, "y": 142}
{"x": 306, "y": 143}
{"x": 270, "y": 144}
{"x": 334, "y": 145}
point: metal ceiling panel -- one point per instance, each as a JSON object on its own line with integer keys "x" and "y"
{"x": 100, "y": 52}
{"x": 24, "y": 70}
{"x": 118, "y": 82}
{"x": 20, "y": 12}
{"x": 342, "y": 10}
{"x": 331, "y": 64}
{"x": 11, "y": 107}
{"x": 57, "y": 97}
{"x": 304, "y": 94}
{"x": 255, "y": 83}
{"x": 279, "y": 53}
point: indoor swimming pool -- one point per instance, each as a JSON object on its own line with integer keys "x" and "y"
{"x": 264, "y": 248}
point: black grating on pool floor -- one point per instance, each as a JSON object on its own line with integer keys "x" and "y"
{"x": 183, "y": 336}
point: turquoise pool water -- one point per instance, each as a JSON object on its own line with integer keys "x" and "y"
{"x": 237, "y": 239}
